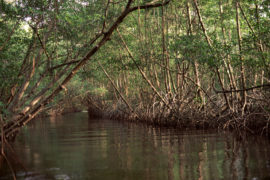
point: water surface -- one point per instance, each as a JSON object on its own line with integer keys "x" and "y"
{"x": 75, "y": 147}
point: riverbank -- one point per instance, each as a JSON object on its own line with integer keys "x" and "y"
{"x": 255, "y": 121}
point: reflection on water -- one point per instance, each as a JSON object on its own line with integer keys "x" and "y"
{"x": 73, "y": 147}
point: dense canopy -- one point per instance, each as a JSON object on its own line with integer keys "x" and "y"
{"x": 183, "y": 62}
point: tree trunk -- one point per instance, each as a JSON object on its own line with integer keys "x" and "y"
{"x": 242, "y": 68}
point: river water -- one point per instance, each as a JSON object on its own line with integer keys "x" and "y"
{"x": 75, "y": 147}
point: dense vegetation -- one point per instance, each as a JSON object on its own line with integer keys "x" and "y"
{"x": 188, "y": 63}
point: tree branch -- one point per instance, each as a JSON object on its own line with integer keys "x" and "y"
{"x": 12, "y": 127}
{"x": 242, "y": 90}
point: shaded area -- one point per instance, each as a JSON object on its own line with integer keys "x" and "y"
{"x": 75, "y": 147}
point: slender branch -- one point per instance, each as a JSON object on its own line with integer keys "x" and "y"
{"x": 122, "y": 97}
{"x": 41, "y": 43}
{"x": 140, "y": 70}
{"x": 243, "y": 90}
{"x": 105, "y": 15}
{"x": 64, "y": 64}
{"x": 149, "y": 6}
{"x": 202, "y": 24}
{"x": 209, "y": 42}
{"x": 259, "y": 41}
{"x": 245, "y": 17}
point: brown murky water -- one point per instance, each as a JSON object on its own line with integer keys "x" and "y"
{"x": 74, "y": 147}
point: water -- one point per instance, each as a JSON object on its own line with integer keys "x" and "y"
{"x": 73, "y": 147}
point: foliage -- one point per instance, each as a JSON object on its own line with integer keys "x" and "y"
{"x": 156, "y": 54}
